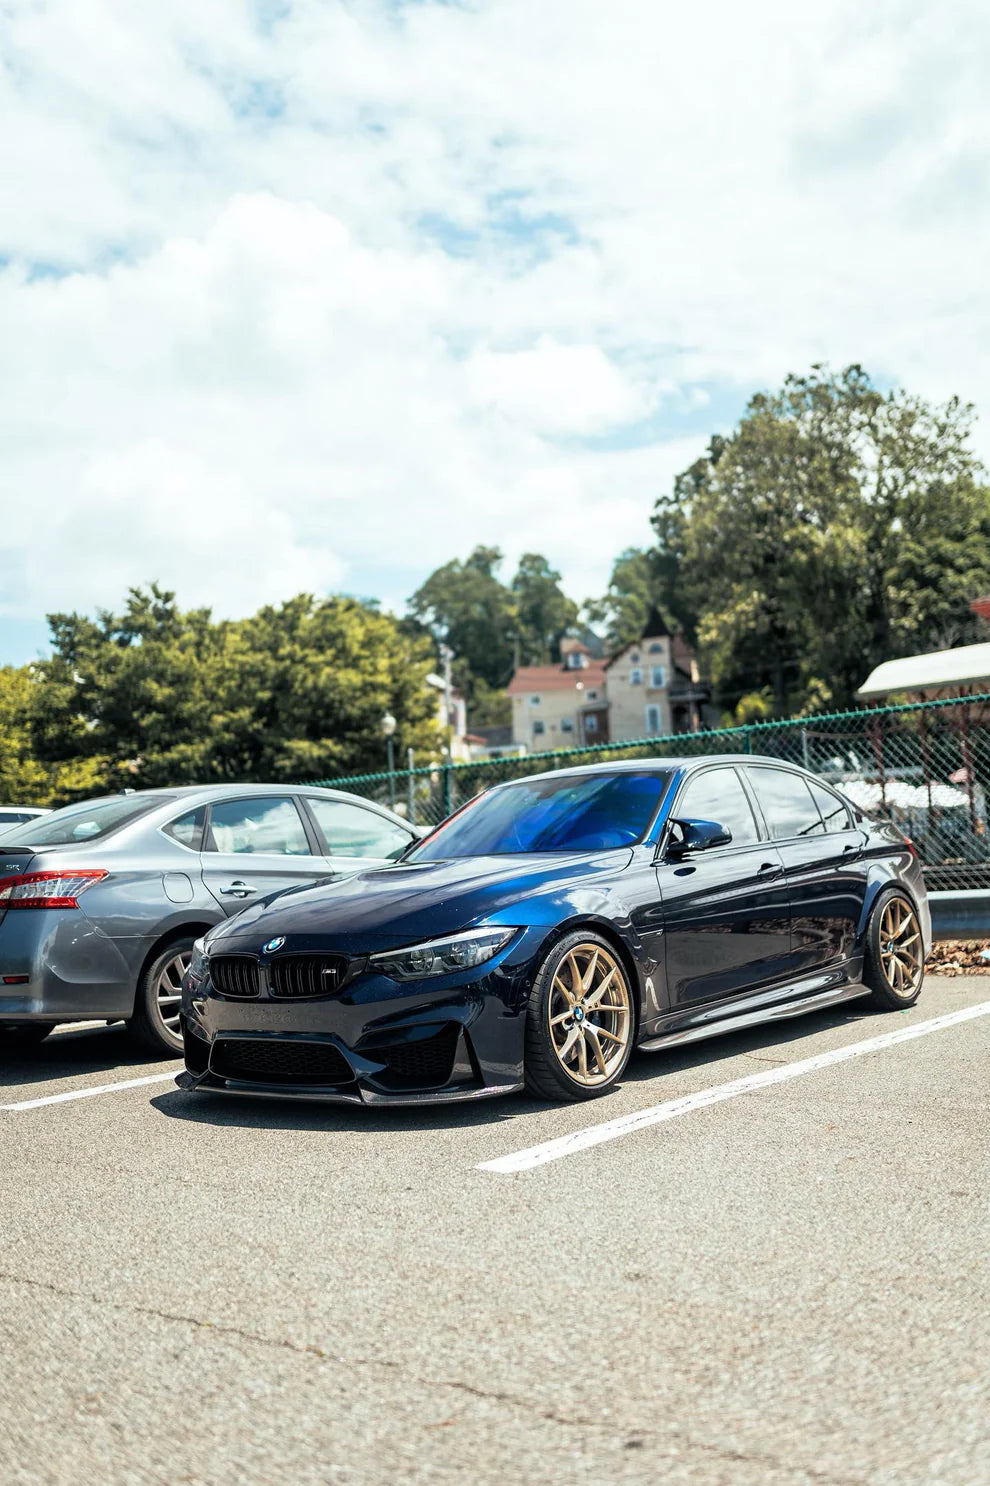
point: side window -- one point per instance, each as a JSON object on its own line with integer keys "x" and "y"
{"x": 718, "y": 795}
{"x": 352, "y": 831}
{"x": 787, "y": 803}
{"x": 188, "y": 829}
{"x": 267, "y": 824}
{"x": 833, "y": 810}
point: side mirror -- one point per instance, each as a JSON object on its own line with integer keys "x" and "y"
{"x": 697, "y": 835}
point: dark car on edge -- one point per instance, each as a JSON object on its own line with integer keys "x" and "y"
{"x": 553, "y": 924}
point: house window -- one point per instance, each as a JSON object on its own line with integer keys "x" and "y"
{"x": 635, "y": 658}
{"x": 567, "y": 724}
{"x": 591, "y": 724}
{"x": 592, "y": 696}
{"x": 653, "y": 726}
{"x": 635, "y": 677}
{"x": 658, "y": 676}
{"x": 656, "y": 650}
{"x": 534, "y": 701}
{"x": 539, "y": 728}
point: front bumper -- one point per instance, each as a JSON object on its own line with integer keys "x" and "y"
{"x": 377, "y": 1041}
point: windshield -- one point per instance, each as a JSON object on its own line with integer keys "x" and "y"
{"x": 75, "y": 824}
{"x": 585, "y": 812}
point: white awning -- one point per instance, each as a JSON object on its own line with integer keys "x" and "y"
{"x": 966, "y": 665}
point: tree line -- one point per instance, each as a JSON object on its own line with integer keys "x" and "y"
{"x": 837, "y": 526}
{"x": 157, "y": 695}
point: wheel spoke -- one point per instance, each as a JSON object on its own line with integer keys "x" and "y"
{"x": 582, "y": 1053}
{"x": 596, "y": 1048}
{"x": 556, "y": 1021}
{"x": 600, "y": 989}
{"x": 603, "y": 1032}
{"x": 589, "y": 974}
{"x": 559, "y": 985}
{"x": 572, "y": 1037}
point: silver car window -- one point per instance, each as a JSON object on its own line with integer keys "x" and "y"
{"x": 87, "y": 822}
{"x": 188, "y": 829}
{"x": 353, "y": 831}
{"x": 268, "y": 824}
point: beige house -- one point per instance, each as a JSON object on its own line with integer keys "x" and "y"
{"x": 649, "y": 689}
{"x": 560, "y": 706}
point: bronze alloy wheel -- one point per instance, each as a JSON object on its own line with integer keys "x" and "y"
{"x": 590, "y": 1015}
{"x": 901, "y": 954}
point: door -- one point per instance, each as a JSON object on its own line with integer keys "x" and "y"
{"x": 355, "y": 836}
{"x": 726, "y": 911}
{"x": 822, "y": 852}
{"x": 255, "y": 846}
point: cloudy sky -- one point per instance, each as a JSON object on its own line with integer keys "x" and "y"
{"x": 318, "y": 295}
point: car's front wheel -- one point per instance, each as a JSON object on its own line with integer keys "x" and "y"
{"x": 155, "y": 1023}
{"x": 895, "y": 956}
{"x": 580, "y": 1022}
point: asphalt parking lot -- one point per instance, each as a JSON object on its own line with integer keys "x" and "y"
{"x": 783, "y": 1282}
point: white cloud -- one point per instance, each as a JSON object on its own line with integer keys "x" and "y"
{"x": 325, "y": 300}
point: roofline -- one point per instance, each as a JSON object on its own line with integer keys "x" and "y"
{"x": 686, "y": 765}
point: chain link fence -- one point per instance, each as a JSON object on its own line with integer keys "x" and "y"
{"x": 924, "y": 766}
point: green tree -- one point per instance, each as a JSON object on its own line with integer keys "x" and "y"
{"x": 633, "y": 589}
{"x": 466, "y": 606}
{"x": 157, "y": 696}
{"x": 544, "y": 613}
{"x": 838, "y": 526}
{"x": 24, "y": 780}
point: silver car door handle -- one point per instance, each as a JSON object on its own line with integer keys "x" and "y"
{"x": 237, "y": 889}
{"x": 769, "y": 869}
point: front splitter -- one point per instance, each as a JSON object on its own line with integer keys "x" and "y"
{"x": 368, "y": 1097}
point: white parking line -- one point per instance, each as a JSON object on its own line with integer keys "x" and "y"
{"x": 126, "y": 1083}
{"x": 580, "y": 1140}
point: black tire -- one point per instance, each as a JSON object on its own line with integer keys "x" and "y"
{"x": 894, "y": 964}
{"x": 24, "y": 1034}
{"x": 148, "y": 1027}
{"x": 569, "y": 1057}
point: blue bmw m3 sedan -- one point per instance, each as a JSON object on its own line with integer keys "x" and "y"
{"x": 551, "y": 926}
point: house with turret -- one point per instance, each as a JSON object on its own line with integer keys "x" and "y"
{"x": 650, "y": 688}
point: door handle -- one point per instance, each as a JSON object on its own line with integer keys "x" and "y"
{"x": 769, "y": 869}
{"x": 237, "y": 889}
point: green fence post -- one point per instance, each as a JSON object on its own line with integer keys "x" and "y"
{"x": 749, "y": 740}
{"x": 412, "y": 787}
{"x": 447, "y": 778}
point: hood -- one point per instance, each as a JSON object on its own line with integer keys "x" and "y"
{"x": 411, "y": 900}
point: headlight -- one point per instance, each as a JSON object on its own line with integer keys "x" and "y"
{"x": 442, "y": 956}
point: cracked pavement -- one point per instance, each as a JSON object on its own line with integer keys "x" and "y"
{"x": 788, "y": 1287}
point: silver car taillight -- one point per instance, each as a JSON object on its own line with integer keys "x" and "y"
{"x": 61, "y": 889}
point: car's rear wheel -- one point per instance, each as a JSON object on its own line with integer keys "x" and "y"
{"x": 155, "y": 1023}
{"x": 24, "y": 1034}
{"x": 580, "y": 1022}
{"x": 895, "y": 953}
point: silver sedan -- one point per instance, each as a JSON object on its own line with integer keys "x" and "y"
{"x": 100, "y": 903}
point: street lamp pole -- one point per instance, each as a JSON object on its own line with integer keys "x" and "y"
{"x": 389, "y": 726}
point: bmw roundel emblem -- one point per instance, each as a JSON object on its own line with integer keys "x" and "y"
{"x": 273, "y": 945}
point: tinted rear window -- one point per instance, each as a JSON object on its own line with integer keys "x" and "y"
{"x": 75, "y": 824}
